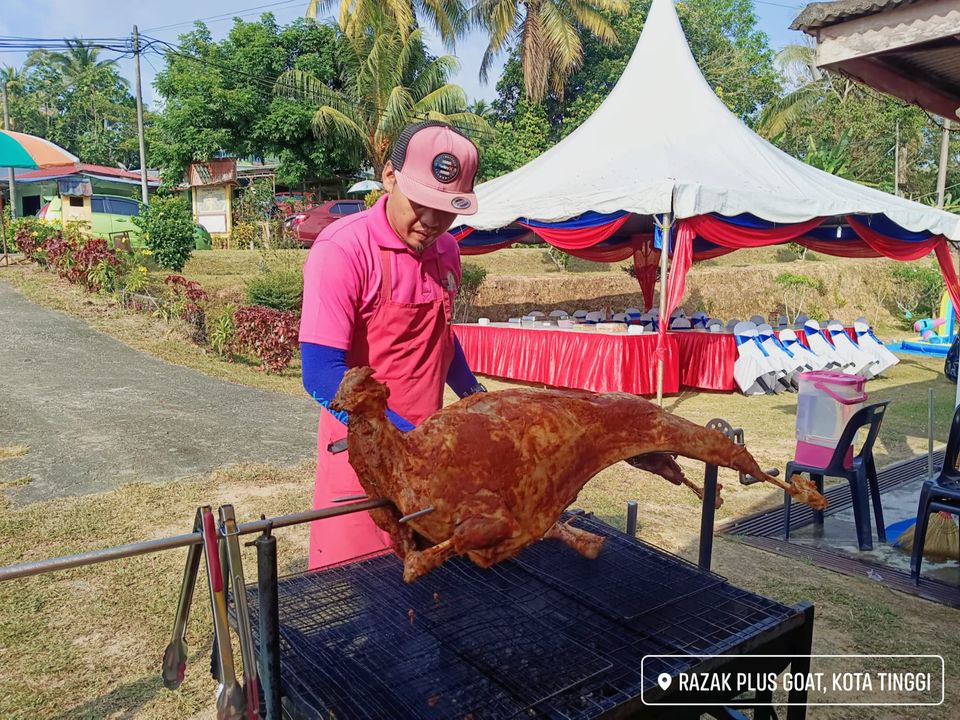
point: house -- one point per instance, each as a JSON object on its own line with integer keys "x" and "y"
{"x": 906, "y": 48}
{"x": 35, "y": 185}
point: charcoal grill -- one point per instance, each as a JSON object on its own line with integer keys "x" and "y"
{"x": 547, "y": 635}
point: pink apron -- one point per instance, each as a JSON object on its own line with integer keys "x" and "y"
{"x": 410, "y": 347}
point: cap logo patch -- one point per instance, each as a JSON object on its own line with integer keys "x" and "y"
{"x": 460, "y": 203}
{"x": 445, "y": 168}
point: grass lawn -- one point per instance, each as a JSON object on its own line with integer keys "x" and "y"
{"x": 87, "y": 643}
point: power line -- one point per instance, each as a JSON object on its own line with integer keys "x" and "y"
{"x": 227, "y": 16}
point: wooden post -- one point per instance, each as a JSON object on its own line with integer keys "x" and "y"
{"x": 944, "y": 160}
{"x": 144, "y": 193}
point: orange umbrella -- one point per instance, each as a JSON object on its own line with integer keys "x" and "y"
{"x": 29, "y": 151}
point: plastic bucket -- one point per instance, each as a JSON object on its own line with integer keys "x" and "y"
{"x": 825, "y": 403}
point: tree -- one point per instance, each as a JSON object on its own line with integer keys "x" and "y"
{"x": 545, "y": 35}
{"x": 447, "y": 17}
{"x": 734, "y": 56}
{"x": 516, "y": 143}
{"x": 79, "y": 101}
{"x": 218, "y": 98}
{"x": 393, "y": 81}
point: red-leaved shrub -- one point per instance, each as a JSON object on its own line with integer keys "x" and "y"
{"x": 270, "y": 335}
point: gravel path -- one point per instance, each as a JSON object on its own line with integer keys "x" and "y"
{"x": 96, "y": 414}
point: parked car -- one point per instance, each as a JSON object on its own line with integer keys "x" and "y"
{"x": 113, "y": 215}
{"x": 306, "y": 225}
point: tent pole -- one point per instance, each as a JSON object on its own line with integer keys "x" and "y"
{"x": 665, "y": 227}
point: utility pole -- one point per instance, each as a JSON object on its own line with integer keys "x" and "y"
{"x": 143, "y": 146}
{"x": 10, "y": 176}
{"x": 896, "y": 163}
{"x": 944, "y": 159}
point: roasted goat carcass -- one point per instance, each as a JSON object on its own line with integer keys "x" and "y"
{"x": 499, "y": 468}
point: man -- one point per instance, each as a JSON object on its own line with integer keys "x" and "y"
{"x": 378, "y": 291}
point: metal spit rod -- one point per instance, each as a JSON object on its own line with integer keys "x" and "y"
{"x": 38, "y": 567}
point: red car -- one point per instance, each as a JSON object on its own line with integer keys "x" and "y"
{"x": 308, "y": 224}
{"x": 290, "y": 203}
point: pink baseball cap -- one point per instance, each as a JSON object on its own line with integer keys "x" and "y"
{"x": 436, "y": 166}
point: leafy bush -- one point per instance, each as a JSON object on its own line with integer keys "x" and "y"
{"x": 222, "y": 332}
{"x": 917, "y": 289}
{"x": 370, "y": 199}
{"x": 795, "y": 290}
{"x": 471, "y": 279}
{"x": 268, "y": 334}
{"x": 167, "y": 227}
{"x": 559, "y": 258}
{"x": 183, "y": 300}
{"x": 277, "y": 289}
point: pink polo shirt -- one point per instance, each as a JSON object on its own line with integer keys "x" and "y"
{"x": 342, "y": 276}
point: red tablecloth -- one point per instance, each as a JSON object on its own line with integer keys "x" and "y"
{"x": 706, "y": 359}
{"x": 573, "y": 359}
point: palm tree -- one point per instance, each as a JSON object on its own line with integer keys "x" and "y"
{"x": 79, "y": 65}
{"x": 11, "y": 80}
{"x": 394, "y": 82}
{"x": 798, "y": 65}
{"x": 481, "y": 108}
{"x": 548, "y": 35}
{"x": 448, "y": 17}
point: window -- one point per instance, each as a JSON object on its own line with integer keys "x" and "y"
{"x": 99, "y": 204}
{"x": 120, "y": 206}
{"x": 348, "y": 208}
{"x": 76, "y": 202}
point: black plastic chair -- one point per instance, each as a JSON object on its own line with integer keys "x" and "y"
{"x": 861, "y": 474}
{"x": 939, "y": 494}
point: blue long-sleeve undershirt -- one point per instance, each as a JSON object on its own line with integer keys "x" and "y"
{"x": 324, "y": 368}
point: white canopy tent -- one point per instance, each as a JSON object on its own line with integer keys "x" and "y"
{"x": 663, "y": 145}
{"x": 663, "y": 142}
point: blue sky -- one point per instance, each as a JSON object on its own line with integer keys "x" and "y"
{"x": 168, "y": 18}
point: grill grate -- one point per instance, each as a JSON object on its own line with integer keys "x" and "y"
{"x": 506, "y": 642}
{"x": 603, "y": 584}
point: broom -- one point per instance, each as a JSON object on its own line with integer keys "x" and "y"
{"x": 943, "y": 538}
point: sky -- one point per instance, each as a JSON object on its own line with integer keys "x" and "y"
{"x": 168, "y": 18}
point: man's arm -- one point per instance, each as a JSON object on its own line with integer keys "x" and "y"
{"x": 323, "y": 371}
{"x": 460, "y": 377}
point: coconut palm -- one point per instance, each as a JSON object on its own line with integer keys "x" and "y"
{"x": 548, "y": 35}
{"x": 481, "y": 108}
{"x": 394, "y": 82}
{"x": 79, "y": 65}
{"x": 448, "y": 17}
{"x": 798, "y": 65}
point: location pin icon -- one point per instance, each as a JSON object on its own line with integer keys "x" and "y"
{"x": 664, "y": 681}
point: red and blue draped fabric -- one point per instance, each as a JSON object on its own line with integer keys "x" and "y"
{"x": 480, "y": 242}
{"x": 747, "y": 231}
{"x": 677, "y": 279}
{"x": 579, "y": 233}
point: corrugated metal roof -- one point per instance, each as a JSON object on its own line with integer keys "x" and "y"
{"x": 820, "y": 14}
{"x": 103, "y": 171}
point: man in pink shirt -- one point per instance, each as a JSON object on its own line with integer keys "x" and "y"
{"x": 378, "y": 291}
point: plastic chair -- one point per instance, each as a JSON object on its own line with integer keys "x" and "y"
{"x": 818, "y": 341}
{"x": 782, "y": 322}
{"x": 648, "y": 321}
{"x": 558, "y": 313}
{"x": 800, "y": 322}
{"x": 758, "y": 319}
{"x": 861, "y": 473}
{"x": 699, "y": 319}
{"x": 872, "y": 345}
{"x": 715, "y": 326}
{"x": 621, "y": 317}
{"x": 633, "y": 312}
{"x": 594, "y": 317}
{"x": 939, "y": 494}
{"x": 580, "y": 314}
{"x": 810, "y": 360}
{"x": 733, "y": 323}
{"x": 780, "y": 355}
{"x": 680, "y": 323}
{"x": 754, "y": 371}
{"x": 863, "y": 363}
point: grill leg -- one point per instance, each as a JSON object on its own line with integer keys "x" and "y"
{"x": 632, "y": 518}
{"x": 801, "y": 665}
{"x": 269, "y": 602}
{"x": 707, "y": 514}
